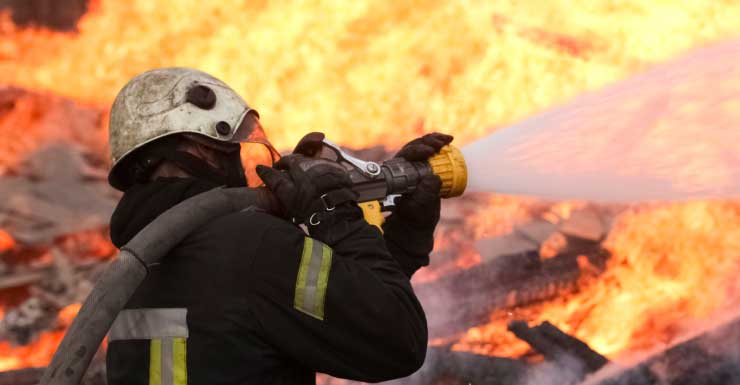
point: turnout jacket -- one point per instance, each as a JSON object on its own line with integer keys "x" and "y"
{"x": 251, "y": 299}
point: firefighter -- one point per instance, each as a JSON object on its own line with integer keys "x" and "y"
{"x": 250, "y": 298}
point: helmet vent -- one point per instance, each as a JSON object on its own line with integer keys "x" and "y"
{"x": 223, "y": 128}
{"x": 201, "y": 96}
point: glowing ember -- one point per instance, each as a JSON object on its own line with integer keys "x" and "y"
{"x": 6, "y": 241}
{"x": 94, "y": 243}
{"x": 38, "y": 353}
{"x": 68, "y": 314}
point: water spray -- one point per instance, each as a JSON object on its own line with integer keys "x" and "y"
{"x": 667, "y": 134}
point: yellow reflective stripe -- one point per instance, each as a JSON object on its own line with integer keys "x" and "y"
{"x": 313, "y": 278}
{"x": 155, "y": 362}
{"x": 168, "y": 361}
{"x": 179, "y": 362}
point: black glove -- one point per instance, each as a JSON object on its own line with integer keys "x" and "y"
{"x": 409, "y": 231}
{"x": 421, "y": 207}
{"x": 310, "y": 144}
{"x": 312, "y": 196}
{"x": 421, "y": 149}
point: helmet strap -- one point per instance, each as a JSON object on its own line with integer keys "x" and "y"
{"x": 232, "y": 163}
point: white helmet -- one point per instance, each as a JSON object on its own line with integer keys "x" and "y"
{"x": 168, "y": 101}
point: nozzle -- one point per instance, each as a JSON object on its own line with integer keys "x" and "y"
{"x": 450, "y": 166}
{"x": 400, "y": 176}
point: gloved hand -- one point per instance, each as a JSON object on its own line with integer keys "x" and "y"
{"x": 409, "y": 231}
{"x": 310, "y": 144}
{"x": 309, "y": 196}
{"x": 421, "y": 207}
{"x": 424, "y": 147}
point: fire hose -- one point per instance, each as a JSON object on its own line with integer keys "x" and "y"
{"x": 124, "y": 275}
{"x": 372, "y": 182}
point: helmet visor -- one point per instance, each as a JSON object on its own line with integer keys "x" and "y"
{"x": 255, "y": 148}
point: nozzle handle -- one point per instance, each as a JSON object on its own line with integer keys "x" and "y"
{"x": 397, "y": 176}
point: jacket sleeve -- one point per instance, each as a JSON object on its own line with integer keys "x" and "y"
{"x": 409, "y": 244}
{"x": 344, "y": 308}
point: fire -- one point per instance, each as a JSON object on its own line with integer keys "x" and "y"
{"x": 6, "y": 241}
{"x": 479, "y": 217}
{"x": 370, "y": 73}
{"x": 362, "y": 70}
{"x": 37, "y": 354}
{"x": 30, "y": 121}
{"x": 672, "y": 265}
{"x": 94, "y": 244}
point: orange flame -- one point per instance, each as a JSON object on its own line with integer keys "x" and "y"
{"x": 671, "y": 265}
{"x": 371, "y": 73}
{"x": 367, "y": 72}
{"x": 6, "y": 241}
{"x": 37, "y": 354}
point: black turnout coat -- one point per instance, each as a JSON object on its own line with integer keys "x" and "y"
{"x": 251, "y": 299}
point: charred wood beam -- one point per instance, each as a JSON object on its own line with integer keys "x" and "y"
{"x": 30, "y": 277}
{"x": 22, "y": 279}
{"x": 553, "y": 344}
{"x": 712, "y": 358}
{"x": 443, "y": 366}
{"x": 26, "y": 376}
{"x": 466, "y": 298}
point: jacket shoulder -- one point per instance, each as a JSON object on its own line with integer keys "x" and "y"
{"x": 249, "y": 225}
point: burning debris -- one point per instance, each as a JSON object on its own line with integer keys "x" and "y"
{"x": 710, "y": 358}
{"x": 560, "y": 348}
{"x": 594, "y": 283}
{"x": 54, "y": 210}
{"x": 55, "y": 193}
{"x": 536, "y": 261}
{"x": 59, "y": 247}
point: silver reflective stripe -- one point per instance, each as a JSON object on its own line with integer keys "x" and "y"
{"x": 166, "y": 362}
{"x": 147, "y": 324}
{"x": 312, "y": 277}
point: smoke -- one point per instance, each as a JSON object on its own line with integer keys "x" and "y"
{"x": 565, "y": 370}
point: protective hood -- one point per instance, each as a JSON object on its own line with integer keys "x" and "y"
{"x": 142, "y": 203}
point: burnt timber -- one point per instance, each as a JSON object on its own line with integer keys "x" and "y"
{"x": 463, "y": 299}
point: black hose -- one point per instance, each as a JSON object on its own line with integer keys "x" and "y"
{"x": 124, "y": 275}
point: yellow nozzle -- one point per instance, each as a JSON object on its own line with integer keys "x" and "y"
{"x": 373, "y": 214}
{"x": 450, "y": 166}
